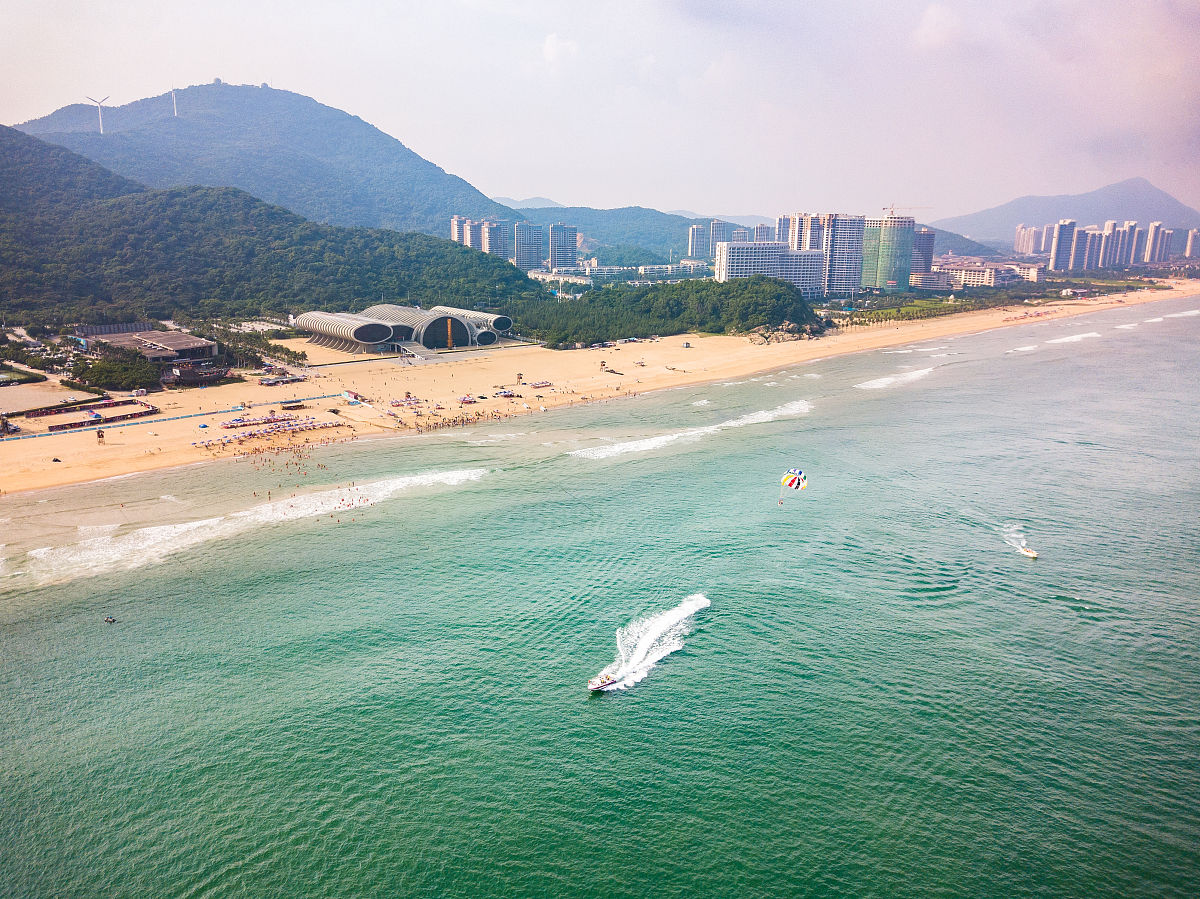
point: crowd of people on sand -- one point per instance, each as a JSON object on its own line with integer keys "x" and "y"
{"x": 284, "y": 429}
{"x": 1030, "y": 314}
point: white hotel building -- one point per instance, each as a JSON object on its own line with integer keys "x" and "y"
{"x": 741, "y": 259}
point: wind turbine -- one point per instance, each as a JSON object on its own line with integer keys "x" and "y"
{"x": 99, "y": 114}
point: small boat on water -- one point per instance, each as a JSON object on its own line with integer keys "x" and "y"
{"x": 1026, "y": 551}
{"x": 601, "y": 682}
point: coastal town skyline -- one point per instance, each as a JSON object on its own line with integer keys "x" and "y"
{"x": 647, "y": 104}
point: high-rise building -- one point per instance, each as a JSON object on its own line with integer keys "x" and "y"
{"x": 887, "y": 252}
{"x": 564, "y": 246}
{"x": 922, "y": 254}
{"x": 472, "y": 233}
{"x": 718, "y": 231}
{"x": 698, "y": 242}
{"x": 497, "y": 239}
{"x": 456, "y": 223}
{"x": 1047, "y": 239}
{"x": 1192, "y": 249}
{"x": 763, "y": 233}
{"x": 842, "y": 243}
{"x": 783, "y": 228}
{"x": 1027, "y": 241}
{"x": 1153, "y": 243}
{"x": 806, "y": 232}
{"x": 1060, "y": 248}
{"x": 527, "y": 246}
{"x": 741, "y": 234}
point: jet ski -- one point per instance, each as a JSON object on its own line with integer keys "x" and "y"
{"x": 1026, "y": 551}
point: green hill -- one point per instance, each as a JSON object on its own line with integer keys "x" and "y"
{"x": 282, "y": 147}
{"x": 78, "y": 243}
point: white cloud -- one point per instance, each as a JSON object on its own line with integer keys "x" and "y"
{"x": 940, "y": 26}
{"x": 555, "y": 48}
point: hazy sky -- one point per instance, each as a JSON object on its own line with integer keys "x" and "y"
{"x": 733, "y": 106}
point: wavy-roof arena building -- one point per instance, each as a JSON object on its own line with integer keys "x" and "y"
{"x": 387, "y": 328}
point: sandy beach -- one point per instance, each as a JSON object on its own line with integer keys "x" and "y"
{"x": 426, "y": 399}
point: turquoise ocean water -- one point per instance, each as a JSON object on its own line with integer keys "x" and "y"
{"x": 881, "y": 698}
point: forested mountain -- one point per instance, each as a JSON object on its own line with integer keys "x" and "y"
{"x": 1135, "y": 198}
{"x": 285, "y": 148}
{"x": 78, "y": 243}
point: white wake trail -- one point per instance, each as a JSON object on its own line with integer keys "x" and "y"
{"x": 644, "y": 642}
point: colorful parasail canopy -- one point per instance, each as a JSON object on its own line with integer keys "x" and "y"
{"x": 795, "y": 479}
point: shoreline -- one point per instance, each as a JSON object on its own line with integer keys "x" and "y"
{"x": 571, "y": 377}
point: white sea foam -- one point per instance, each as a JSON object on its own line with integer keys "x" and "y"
{"x": 1127, "y": 327}
{"x": 1074, "y": 338}
{"x": 644, "y": 642}
{"x": 899, "y": 380}
{"x": 1153, "y": 319}
{"x": 896, "y": 352}
{"x": 771, "y": 384}
{"x": 150, "y": 545}
{"x": 812, "y": 375}
{"x": 1022, "y": 349}
{"x": 496, "y": 438}
{"x": 1187, "y": 314}
{"x": 169, "y": 498}
{"x": 646, "y": 444}
{"x": 701, "y": 402}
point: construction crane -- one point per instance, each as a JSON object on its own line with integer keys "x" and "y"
{"x": 891, "y": 210}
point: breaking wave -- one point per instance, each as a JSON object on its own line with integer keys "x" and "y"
{"x": 108, "y": 552}
{"x": 895, "y": 380}
{"x": 645, "y": 642}
{"x": 1127, "y": 327}
{"x": 646, "y": 444}
{"x": 1074, "y": 338}
{"x": 1023, "y": 349}
{"x": 1187, "y": 314}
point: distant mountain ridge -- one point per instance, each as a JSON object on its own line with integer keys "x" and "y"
{"x": 1135, "y": 198}
{"x": 528, "y": 202}
{"x": 329, "y": 166}
{"x": 284, "y": 148}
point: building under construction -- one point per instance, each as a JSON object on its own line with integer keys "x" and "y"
{"x": 387, "y": 328}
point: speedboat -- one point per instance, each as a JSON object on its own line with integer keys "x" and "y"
{"x": 1026, "y": 551}
{"x": 601, "y": 682}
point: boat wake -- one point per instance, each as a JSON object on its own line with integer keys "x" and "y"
{"x": 1015, "y": 537}
{"x": 644, "y": 642}
{"x": 797, "y": 407}
{"x": 103, "y": 549}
